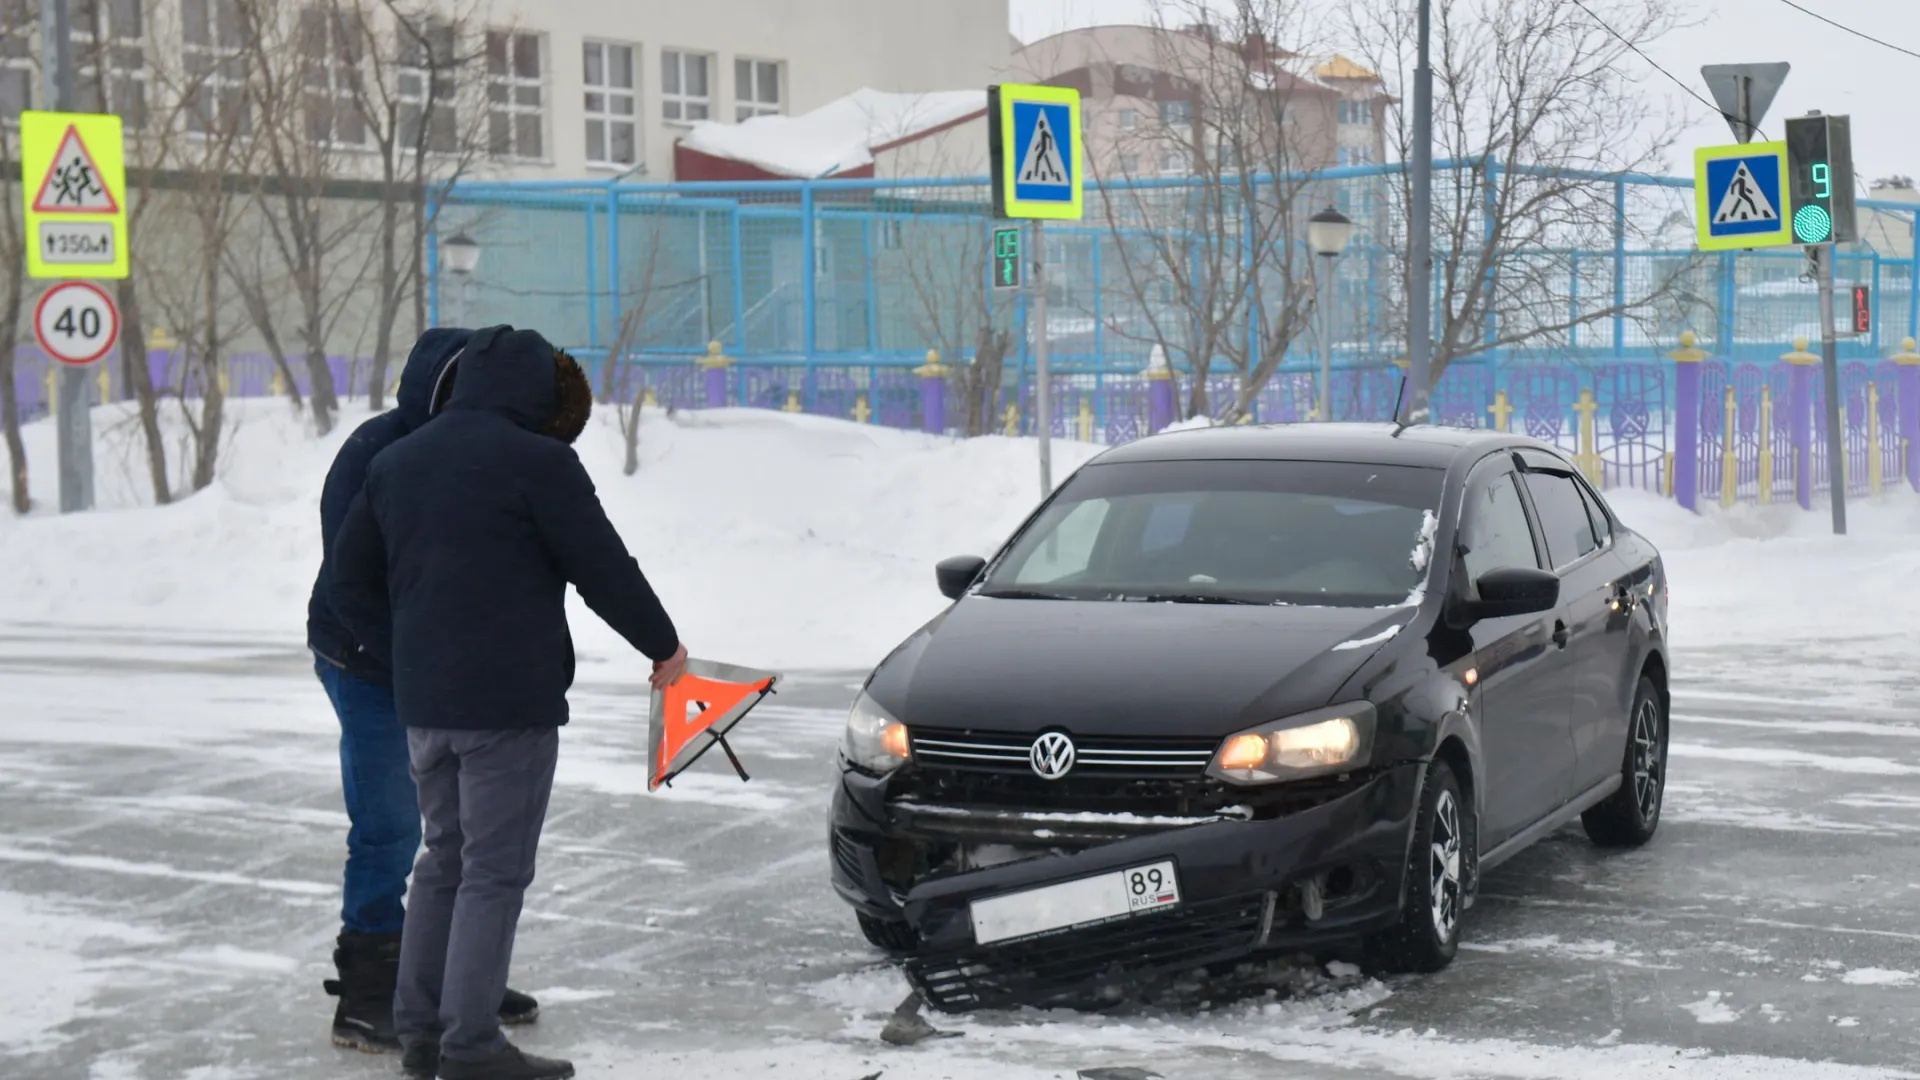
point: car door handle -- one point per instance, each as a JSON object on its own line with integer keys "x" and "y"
{"x": 1559, "y": 634}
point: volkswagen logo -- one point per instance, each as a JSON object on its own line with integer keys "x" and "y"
{"x": 1051, "y": 756}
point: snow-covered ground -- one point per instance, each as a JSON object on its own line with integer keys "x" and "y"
{"x": 169, "y": 861}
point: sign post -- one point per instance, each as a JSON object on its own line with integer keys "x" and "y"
{"x": 1034, "y": 138}
{"x": 73, "y": 178}
{"x": 1743, "y": 92}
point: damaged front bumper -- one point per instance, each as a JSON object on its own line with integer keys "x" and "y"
{"x": 1251, "y": 879}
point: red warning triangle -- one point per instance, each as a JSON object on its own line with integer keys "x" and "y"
{"x": 73, "y": 184}
{"x": 696, "y": 712}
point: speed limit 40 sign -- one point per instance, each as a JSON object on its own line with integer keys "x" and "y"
{"x": 76, "y": 323}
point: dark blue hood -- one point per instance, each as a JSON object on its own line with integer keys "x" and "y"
{"x": 509, "y": 373}
{"x": 426, "y": 365}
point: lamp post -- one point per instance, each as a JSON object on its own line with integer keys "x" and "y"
{"x": 1414, "y": 409}
{"x": 1327, "y": 234}
{"x": 462, "y": 255}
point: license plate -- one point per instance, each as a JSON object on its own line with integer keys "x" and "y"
{"x": 1070, "y": 904}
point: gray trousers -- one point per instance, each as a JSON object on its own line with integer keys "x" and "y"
{"x": 483, "y": 795}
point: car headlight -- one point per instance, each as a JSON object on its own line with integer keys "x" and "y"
{"x": 1331, "y": 740}
{"x": 875, "y": 741}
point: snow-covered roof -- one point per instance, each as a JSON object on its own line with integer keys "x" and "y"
{"x": 836, "y": 137}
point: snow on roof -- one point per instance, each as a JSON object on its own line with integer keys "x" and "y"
{"x": 836, "y": 137}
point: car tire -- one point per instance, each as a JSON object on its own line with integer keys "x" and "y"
{"x": 1439, "y": 864}
{"x": 891, "y": 936}
{"x": 1629, "y": 817}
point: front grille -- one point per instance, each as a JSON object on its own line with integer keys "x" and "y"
{"x": 1088, "y": 963}
{"x": 1076, "y": 792}
{"x": 1003, "y": 752}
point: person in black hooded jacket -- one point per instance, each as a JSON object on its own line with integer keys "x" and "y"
{"x": 383, "y": 810}
{"x": 452, "y": 569}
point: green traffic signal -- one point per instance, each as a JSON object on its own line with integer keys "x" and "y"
{"x": 1812, "y": 225}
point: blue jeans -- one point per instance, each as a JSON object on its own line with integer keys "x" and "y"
{"x": 382, "y": 805}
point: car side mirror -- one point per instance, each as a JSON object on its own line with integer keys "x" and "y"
{"x": 1515, "y": 591}
{"x": 957, "y": 575}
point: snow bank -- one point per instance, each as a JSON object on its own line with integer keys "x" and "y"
{"x": 791, "y": 541}
{"x": 805, "y": 542}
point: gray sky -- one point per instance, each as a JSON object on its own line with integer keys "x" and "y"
{"x": 1833, "y": 71}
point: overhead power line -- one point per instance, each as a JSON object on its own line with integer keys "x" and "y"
{"x": 1861, "y": 34}
{"x": 1677, "y": 81}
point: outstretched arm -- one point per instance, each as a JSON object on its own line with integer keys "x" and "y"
{"x": 592, "y": 556}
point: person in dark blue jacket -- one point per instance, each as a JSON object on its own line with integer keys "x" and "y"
{"x": 451, "y": 569}
{"x": 383, "y": 809}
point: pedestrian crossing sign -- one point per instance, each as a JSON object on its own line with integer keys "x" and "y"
{"x": 1035, "y": 142}
{"x": 1741, "y": 196}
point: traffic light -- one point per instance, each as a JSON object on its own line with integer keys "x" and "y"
{"x": 1007, "y": 271}
{"x": 1820, "y": 177}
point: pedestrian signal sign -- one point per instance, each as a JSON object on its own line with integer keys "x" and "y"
{"x": 73, "y": 177}
{"x": 1034, "y": 134}
{"x": 694, "y": 715}
{"x": 1740, "y": 194}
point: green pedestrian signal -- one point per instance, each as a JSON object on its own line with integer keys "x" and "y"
{"x": 1007, "y": 271}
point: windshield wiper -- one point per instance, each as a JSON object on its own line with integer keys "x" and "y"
{"x": 1024, "y": 594}
{"x": 1194, "y": 598}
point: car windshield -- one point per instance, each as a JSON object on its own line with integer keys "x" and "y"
{"x": 1332, "y": 534}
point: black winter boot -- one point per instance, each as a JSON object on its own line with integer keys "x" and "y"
{"x": 518, "y": 1008}
{"x": 369, "y": 966}
{"x": 509, "y": 1064}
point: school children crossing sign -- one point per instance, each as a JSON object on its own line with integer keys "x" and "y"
{"x": 1741, "y": 196}
{"x": 1035, "y": 138}
{"x": 73, "y": 176}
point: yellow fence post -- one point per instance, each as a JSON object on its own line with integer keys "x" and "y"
{"x": 861, "y": 412}
{"x": 53, "y": 396}
{"x": 1730, "y": 452}
{"x": 1589, "y": 457}
{"x": 793, "y": 402}
{"x": 1874, "y": 466}
{"x": 1084, "y": 420}
{"x": 1012, "y": 420}
{"x": 106, "y": 383}
{"x": 279, "y": 382}
{"x": 1766, "y": 446}
{"x": 1502, "y": 410}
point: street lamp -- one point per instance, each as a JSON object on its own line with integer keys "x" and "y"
{"x": 1327, "y": 234}
{"x": 462, "y": 255}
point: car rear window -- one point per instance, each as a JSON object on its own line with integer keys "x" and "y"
{"x": 1328, "y": 533}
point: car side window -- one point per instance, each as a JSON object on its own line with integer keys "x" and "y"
{"x": 1602, "y": 525}
{"x": 1563, "y": 517}
{"x": 1494, "y": 529}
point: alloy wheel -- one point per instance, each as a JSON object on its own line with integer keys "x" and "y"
{"x": 1443, "y": 886}
{"x": 1649, "y": 763}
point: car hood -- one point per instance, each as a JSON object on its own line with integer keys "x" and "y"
{"x": 1113, "y": 668}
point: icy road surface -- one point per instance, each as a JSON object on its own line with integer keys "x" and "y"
{"x": 173, "y": 834}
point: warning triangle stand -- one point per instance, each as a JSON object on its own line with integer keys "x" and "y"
{"x": 1043, "y": 163}
{"x": 73, "y": 184}
{"x": 696, "y": 712}
{"x": 1744, "y": 201}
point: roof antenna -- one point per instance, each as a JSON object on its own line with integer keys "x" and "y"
{"x": 1399, "y": 423}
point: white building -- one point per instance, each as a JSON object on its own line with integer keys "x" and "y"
{"x": 599, "y": 89}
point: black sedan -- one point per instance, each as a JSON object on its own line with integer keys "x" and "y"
{"x": 1247, "y": 689}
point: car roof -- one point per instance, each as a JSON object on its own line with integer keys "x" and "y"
{"x": 1425, "y": 445}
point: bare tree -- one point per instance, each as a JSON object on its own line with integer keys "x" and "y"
{"x": 420, "y": 96}
{"x": 946, "y": 256}
{"x": 12, "y": 293}
{"x": 1212, "y": 260}
{"x": 1536, "y": 112}
{"x": 619, "y": 383}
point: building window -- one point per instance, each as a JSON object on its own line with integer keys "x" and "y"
{"x": 329, "y": 73}
{"x": 1176, "y": 112}
{"x": 109, "y": 56}
{"x": 1129, "y": 164}
{"x": 1173, "y": 161}
{"x": 215, "y": 59}
{"x": 427, "y": 63}
{"x": 1356, "y": 112}
{"x": 756, "y": 89}
{"x": 516, "y": 107}
{"x": 609, "y": 85}
{"x": 685, "y": 92}
{"x": 1129, "y": 119}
